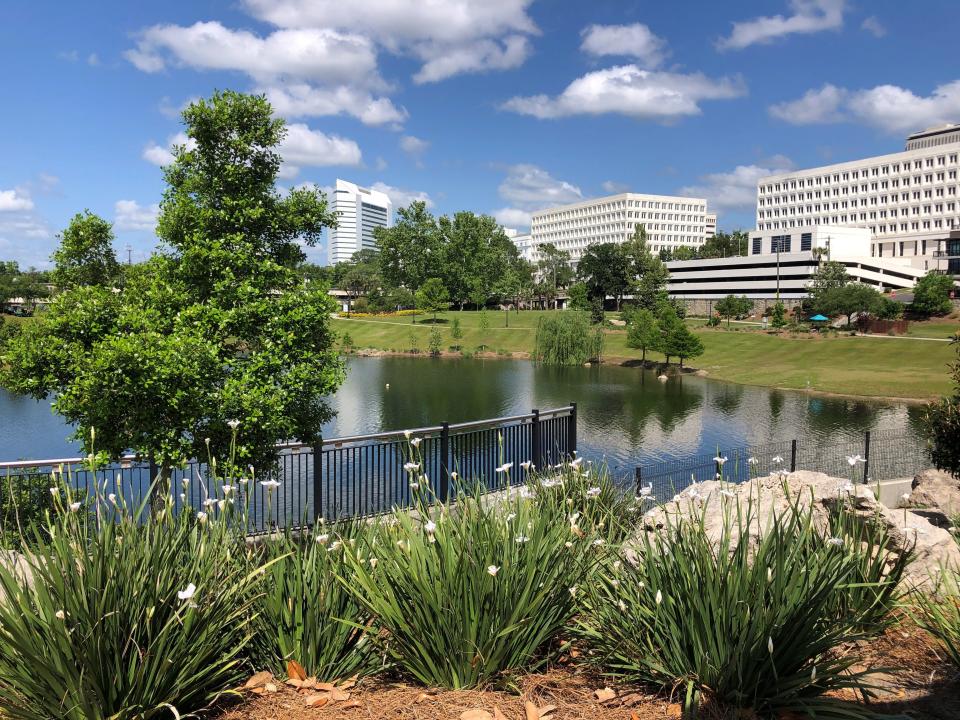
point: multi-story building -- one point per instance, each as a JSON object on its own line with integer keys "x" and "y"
{"x": 359, "y": 210}
{"x": 908, "y": 201}
{"x": 670, "y": 222}
{"x": 523, "y": 242}
{"x": 711, "y": 222}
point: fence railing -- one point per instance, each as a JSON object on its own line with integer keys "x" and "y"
{"x": 337, "y": 478}
{"x": 883, "y": 455}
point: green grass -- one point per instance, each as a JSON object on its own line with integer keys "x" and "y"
{"x": 877, "y": 367}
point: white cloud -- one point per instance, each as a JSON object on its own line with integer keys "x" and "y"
{"x": 613, "y": 187}
{"x": 400, "y": 197}
{"x": 163, "y": 155}
{"x": 15, "y": 200}
{"x": 528, "y": 188}
{"x": 305, "y": 100}
{"x": 131, "y": 215}
{"x": 889, "y": 108}
{"x": 816, "y": 106}
{"x": 449, "y": 36}
{"x": 635, "y": 40}
{"x": 413, "y": 145}
{"x": 629, "y": 90}
{"x": 737, "y": 189}
{"x": 873, "y": 26}
{"x": 809, "y": 16}
{"x": 303, "y": 146}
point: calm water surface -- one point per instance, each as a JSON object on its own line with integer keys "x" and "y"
{"x": 626, "y": 414}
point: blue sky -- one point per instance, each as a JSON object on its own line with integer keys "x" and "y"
{"x": 495, "y": 106}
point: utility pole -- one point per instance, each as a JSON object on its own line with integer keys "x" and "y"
{"x": 129, "y": 254}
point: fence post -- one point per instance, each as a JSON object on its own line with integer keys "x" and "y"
{"x": 638, "y": 476}
{"x": 444, "y": 488}
{"x": 317, "y": 474}
{"x": 535, "y": 441}
{"x": 866, "y": 455}
{"x": 572, "y": 431}
{"x": 793, "y": 455}
{"x": 718, "y": 466}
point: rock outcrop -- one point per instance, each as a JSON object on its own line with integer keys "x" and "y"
{"x": 937, "y": 493}
{"x": 932, "y": 545}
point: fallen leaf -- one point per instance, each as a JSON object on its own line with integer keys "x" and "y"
{"x": 351, "y": 704}
{"x": 634, "y": 716}
{"x": 293, "y": 682}
{"x": 308, "y": 684}
{"x": 259, "y": 680}
{"x": 317, "y": 700}
{"x": 674, "y": 710}
{"x": 348, "y": 683}
{"x": 421, "y": 697}
{"x": 574, "y": 653}
{"x": 497, "y": 714}
{"x": 546, "y": 710}
{"x": 338, "y": 695}
{"x": 605, "y": 694}
{"x": 325, "y": 686}
{"x": 258, "y": 691}
{"x": 295, "y": 670}
{"x": 475, "y": 714}
{"x": 530, "y": 710}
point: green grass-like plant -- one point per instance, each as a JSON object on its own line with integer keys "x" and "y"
{"x": 750, "y": 625}
{"x": 303, "y": 612}
{"x": 938, "y": 612}
{"x": 467, "y": 591}
{"x": 122, "y": 617}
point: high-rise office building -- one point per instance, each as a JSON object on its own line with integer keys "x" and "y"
{"x": 359, "y": 211}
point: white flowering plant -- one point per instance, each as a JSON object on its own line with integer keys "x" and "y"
{"x": 464, "y": 592}
{"x": 738, "y": 624}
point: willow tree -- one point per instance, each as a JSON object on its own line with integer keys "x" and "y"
{"x": 216, "y": 327}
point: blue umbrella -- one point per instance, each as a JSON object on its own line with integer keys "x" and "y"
{"x": 819, "y": 318}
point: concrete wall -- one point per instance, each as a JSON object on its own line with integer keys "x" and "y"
{"x": 705, "y": 307}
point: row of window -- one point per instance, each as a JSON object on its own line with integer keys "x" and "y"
{"x": 854, "y": 189}
{"x": 845, "y": 176}
{"x": 852, "y": 221}
{"x": 623, "y": 204}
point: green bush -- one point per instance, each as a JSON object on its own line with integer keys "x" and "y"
{"x": 941, "y": 422}
{"x": 435, "y": 341}
{"x": 303, "y": 613}
{"x": 746, "y": 625}
{"x": 465, "y": 592}
{"x": 567, "y": 339}
{"x": 938, "y": 612}
{"x": 123, "y": 618}
{"x": 24, "y": 501}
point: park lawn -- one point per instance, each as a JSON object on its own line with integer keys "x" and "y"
{"x": 936, "y": 328}
{"x": 878, "y": 367}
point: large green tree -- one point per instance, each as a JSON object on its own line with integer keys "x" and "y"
{"x": 85, "y": 255}
{"x": 605, "y": 269}
{"x": 411, "y": 250}
{"x": 725, "y": 245}
{"x": 217, "y": 327}
{"x": 476, "y": 254}
{"x": 432, "y": 297}
{"x": 732, "y": 306}
{"x": 828, "y": 277}
{"x": 554, "y": 270}
{"x": 931, "y": 296}
{"x": 850, "y": 299}
{"x": 643, "y": 332}
{"x": 646, "y": 273}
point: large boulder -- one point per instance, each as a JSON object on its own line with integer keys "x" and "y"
{"x": 936, "y": 491}
{"x": 932, "y": 545}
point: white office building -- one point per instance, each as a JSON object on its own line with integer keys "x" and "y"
{"x": 908, "y": 201}
{"x": 711, "y": 221}
{"x": 359, "y": 210}
{"x": 523, "y": 243}
{"x": 670, "y": 221}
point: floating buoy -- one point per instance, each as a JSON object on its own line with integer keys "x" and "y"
{"x": 388, "y": 386}
{"x": 662, "y": 378}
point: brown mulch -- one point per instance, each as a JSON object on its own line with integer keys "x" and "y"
{"x": 915, "y": 680}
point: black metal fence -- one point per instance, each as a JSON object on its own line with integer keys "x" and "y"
{"x": 874, "y": 457}
{"x": 338, "y": 478}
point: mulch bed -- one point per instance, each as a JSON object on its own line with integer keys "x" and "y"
{"x": 916, "y": 681}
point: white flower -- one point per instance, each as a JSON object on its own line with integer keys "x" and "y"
{"x": 622, "y": 605}
{"x": 777, "y": 459}
{"x": 751, "y": 461}
{"x": 854, "y": 459}
{"x": 222, "y": 504}
{"x": 505, "y": 467}
{"x": 373, "y": 562}
{"x": 525, "y": 493}
{"x": 227, "y": 489}
{"x": 511, "y": 516}
{"x": 552, "y": 482}
{"x": 693, "y": 493}
{"x": 323, "y": 538}
{"x": 905, "y": 497}
{"x": 430, "y": 526}
{"x": 406, "y": 434}
{"x": 646, "y": 491}
{"x": 727, "y": 493}
{"x": 234, "y": 424}
{"x": 454, "y": 475}
{"x": 593, "y": 492}
{"x": 617, "y": 564}
{"x": 659, "y": 597}
{"x": 334, "y": 545}
{"x": 188, "y": 592}
{"x": 576, "y": 463}
{"x": 598, "y": 542}
{"x": 183, "y": 497}
{"x": 522, "y": 539}
{"x": 209, "y": 503}
{"x": 568, "y": 544}
{"x": 572, "y": 591}
{"x": 55, "y": 491}
{"x": 492, "y": 570}
{"x": 415, "y": 442}
{"x": 185, "y": 482}
{"x": 676, "y": 498}
{"x": 243, "y": 481}
{"x": 112, "y": 497}
{"x": 270, "y": 485}
{"x": 60, "y": 615}
{"x": 846, "y": 488}
{"x": 835, "y": 542}
{"x": 770, "y": 645}
{"x": 527, "y": 465}
{"x": 202, "y": 517}
{"x": 813, "y": 674}
{"x": 720, "y": 460}
{"x": 75, "y": 506}
{"x": 769, "y": 574}
{"x": 411, "y": 467}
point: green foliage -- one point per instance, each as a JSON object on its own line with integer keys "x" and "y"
{"x": 435, "y": 341}
{"x": 682, "y": 343}
{"x": 346, "y": 342}
{"x": 579, "y": 299}
{"x": 647, "y": 274}
{"x": 643, "y": 332}
{"x": 124, "y": 618}
{"x": 931, "y": 296}
{"x": 456, "y": 332}
{"x": 941, "y": 421}
{"x": 597, "y": 316}
{"x": 829, "y": 276}
{"x": 724, "y": 245}
{"x": 24, "y": 502}
{"x": 889, "y": 309}
{"x": 939, "y": 612}
{"x": 408, "y": 250}
{"x": 414, "y": 341}
{"x": 603, "y": 268}
{"x": 432, "y": 297}
{"x": 732, "y": 307}
{"x": 219, "y": 327}
{"x": 476, "y": 254}
{"x": 303, "y": 613}
{"x": 847, "y": 300}
{"x": 567, "y": 339}
{"x": 746, "y": 624}
{"x": 468, "y": 592}
{"x": 484, "y": 323}
{"x": 554, "y": 269}
{"x": 713, "y": 321}
{"x": 85, "y": 255}
{"x": 778, "y": 315}
{"x": 669, "y": 327}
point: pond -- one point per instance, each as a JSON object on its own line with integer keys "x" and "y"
{"x": 626, "y": 415}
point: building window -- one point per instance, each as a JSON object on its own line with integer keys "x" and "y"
{"x": 806, "y": 241}
{"x": 756, "y": 245}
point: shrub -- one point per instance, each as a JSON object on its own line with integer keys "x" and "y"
{"x": 938, "y": 612}
{"x": 346, "y": 343}
{"x": 566, "y": 339}
{"x": 941, "y": 422}
{"x": 123, "y": 618}
{"x": 931, "y": 295}
{"x": 743, "y": 624}
{"x": 467, "y": 591}
{"x": 435, "y": 341}
{"x": 456, "y": 332}
{"x": 303, "y": 613}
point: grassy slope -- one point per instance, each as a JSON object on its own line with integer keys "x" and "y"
{"x": 852, "y": 365}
